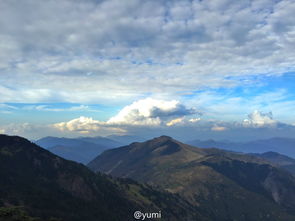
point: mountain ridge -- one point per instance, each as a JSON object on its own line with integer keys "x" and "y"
{"x": 280, "y": 160}
{"x": 81, "y": 149}
{"x": 46, "y": 185}
{"x": 282, "y": 145}
{"x": 202, "y": 174}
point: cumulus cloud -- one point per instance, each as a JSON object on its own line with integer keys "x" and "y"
{"x": 82, "y": 124}
{"x": 258, "y": 119}
{"x": 86, "y": 125}
{"x": 146, "y": 112}
{"x": 151, "y": 112}
{"x": 258, "y": 126}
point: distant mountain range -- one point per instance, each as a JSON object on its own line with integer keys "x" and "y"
{"x": 38, "y": 185}
{"x": 126, "y": 139}
{"x": 85, "y": 149}
{"x": 280, "y": 145}
{"x": 82, "y": 149}
{"x": 223, "y": 185}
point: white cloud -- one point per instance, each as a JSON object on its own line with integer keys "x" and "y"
{"x": 83, "y": 124}
{"x": 49, "y": 108}
{"x": 150, "y": 112}
{"x": 86, "y": 125}
{"x": 7, "y": 109}
{"x": 6, "y": 106}
{"x": 25, "y": 129}
{"x": 259, "y": 119}
{"x": 218, "y": 128}
{"x": 175, "y": 121}
{"x": 257, "y": 126}
{"x": 145, "y": 113}
{"x": 194, "y": 120}
{"x": 115, "y": 52}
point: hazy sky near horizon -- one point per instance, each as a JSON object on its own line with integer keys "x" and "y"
{"x": 221, "y": 69}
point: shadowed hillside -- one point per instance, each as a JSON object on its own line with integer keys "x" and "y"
{"x": 45, "y": 185}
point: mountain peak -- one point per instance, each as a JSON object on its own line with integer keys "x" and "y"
{"x": 162, "y": 138}
{"x": 165, "y": 137}
{"x": 143, "y": 154}
{"x": 8, "y": 140}
{"x": 198, "y": 174}
{"x": 162, "y": 142}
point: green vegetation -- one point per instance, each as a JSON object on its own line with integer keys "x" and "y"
{"x": 45, "y": 186}
{"x": 220, "y": 184}
{"x": 15, "y": 214}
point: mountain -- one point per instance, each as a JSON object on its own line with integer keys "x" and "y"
{"x": 226, "y": 145}
{"x": 48, "y": 142}
{"x": 36, "y": 183}
{"x": 103, "y": 141}
{"x": 81, "y": 154}
{"x": 222, "y": 184}
{"x": 280, "y": 145}
{"x": 126, "y": 139}
{"x": 81, "y": 150}
{"x": 280, "y": 160}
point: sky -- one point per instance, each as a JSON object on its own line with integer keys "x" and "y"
{"x": 220, "y": 69}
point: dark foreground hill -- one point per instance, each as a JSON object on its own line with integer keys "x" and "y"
{"x": 223, "y": 185}
{"x": 37, "y": 183}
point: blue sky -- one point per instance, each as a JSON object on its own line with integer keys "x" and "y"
{"x": 209, "y": 69}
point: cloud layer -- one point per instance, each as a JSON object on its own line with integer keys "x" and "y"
{"x": 151, "y": 117}
{"x": 93, "y": 51}
{"x": 63, "y": 59}
{"x": 161, "y": 115}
